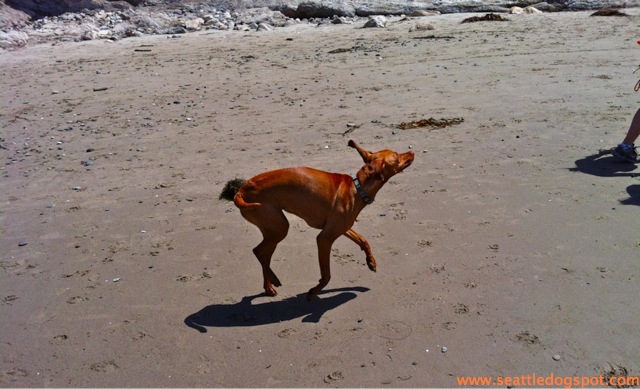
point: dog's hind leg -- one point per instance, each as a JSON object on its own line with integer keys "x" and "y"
{"x": 274, "y": 227}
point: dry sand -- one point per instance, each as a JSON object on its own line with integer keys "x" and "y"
{"x": 509, "y": 241}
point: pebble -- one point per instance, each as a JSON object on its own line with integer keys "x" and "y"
{"x": 22, "y": 243}
{"x": 377, "y": 21}
{"x": 557, "y": 357}
{"x": 444, "y": 350}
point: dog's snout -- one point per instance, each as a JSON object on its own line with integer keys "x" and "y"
{"x": 408, "y": 160}
{"x": 410, "y": 156}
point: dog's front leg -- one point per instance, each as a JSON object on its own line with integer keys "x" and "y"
{"x": 364, "y": 246}
{"x": 325, "y": 240}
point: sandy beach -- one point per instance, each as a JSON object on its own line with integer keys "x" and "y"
{"x": 510, "y": 247}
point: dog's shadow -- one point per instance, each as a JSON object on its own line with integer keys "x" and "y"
{"x": 247, "y": 314}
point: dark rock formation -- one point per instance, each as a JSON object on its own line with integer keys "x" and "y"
{"x": 39, "y": 8}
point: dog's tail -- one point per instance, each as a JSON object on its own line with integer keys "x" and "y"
{"x": 231, "y": 188}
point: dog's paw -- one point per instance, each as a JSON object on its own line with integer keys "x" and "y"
{"x": 371, "y": 263}
{"x": 269, "y": 290}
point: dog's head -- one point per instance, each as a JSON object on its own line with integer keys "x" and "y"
{"x": 383, "y": 164}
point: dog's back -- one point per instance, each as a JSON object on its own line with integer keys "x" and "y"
{"x": 293, "y": 190}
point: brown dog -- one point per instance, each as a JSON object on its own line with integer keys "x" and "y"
{"x": 326, "y": 201}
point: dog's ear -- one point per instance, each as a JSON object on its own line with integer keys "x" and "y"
{"x": 369, "y": 170}
{"x": 374, "y": 170}
{"x": 381, "y": 167}
{"x": 366, "y": 155}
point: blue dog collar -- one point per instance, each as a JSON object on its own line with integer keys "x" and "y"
{"x": 364, "y": 196}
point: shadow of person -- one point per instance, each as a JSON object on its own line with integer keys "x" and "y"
{"x": 247, "y": 314}
{"x": 603, "y": 164}
{"x": 634, "y": 196}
